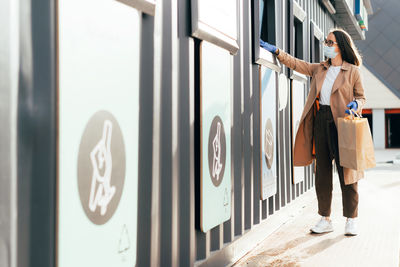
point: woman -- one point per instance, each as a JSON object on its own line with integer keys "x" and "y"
{"x": 335, "y": 86}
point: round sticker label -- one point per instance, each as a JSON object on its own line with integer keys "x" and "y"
{"x": 101, "y": 167}
{"x": 216, "y": 151}
{"x": 269, "y": 143}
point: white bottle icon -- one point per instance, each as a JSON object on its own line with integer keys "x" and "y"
{"x": 217, "y": 165}
{"x": 101, "y": 191}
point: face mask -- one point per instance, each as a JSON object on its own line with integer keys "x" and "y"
{"x": 329, "y": 51}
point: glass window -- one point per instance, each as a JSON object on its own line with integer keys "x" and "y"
{"x": 267, "y": 21}
{"x": 317, "y": 50}
{"x": 298, "y": 39}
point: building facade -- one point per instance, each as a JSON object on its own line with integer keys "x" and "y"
{"x": 153, "y": 133}
{"x": 381, "y": 54}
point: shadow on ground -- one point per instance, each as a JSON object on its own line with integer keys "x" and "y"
{"x": 288, "y": 254}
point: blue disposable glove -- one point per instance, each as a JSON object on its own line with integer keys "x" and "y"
{"x": 352, "y": 105}
{"x": 269, "y": 47}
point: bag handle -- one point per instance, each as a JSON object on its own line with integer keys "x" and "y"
{"x": 352, "y": 113}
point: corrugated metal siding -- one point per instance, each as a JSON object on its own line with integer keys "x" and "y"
{"x": 169, "y": 160}
{"x": 168, "y": 232}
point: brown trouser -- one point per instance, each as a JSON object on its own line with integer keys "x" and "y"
{"x": 327, "y": 149}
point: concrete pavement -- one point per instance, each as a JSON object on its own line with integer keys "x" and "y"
{"x": 378, "y": 242}
{"x": 386, "y": 155}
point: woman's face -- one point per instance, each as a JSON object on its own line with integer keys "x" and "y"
{"x": 331, "y": 41}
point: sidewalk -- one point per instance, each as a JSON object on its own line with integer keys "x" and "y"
{"x": 378, "y": 242}
{"x": 385, "y": 155}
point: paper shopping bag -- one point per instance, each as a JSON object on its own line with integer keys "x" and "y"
{"x": 356, "y": 148}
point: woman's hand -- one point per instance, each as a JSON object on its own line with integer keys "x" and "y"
{"x": 352, "y": 105}
{"x": 269, "y": 47}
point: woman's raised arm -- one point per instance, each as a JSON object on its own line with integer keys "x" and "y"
{"x": 296, "y": 64}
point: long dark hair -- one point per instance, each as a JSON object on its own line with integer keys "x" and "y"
{"x": 347, "y": 48}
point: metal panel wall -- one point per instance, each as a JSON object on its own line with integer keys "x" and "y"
{"x": 9, "y": 62}
{"x": 172, "y": 177}
{"x": 145, "y": 142}
{"x": 37, "y": 133}
{"x": 168, "y": 232}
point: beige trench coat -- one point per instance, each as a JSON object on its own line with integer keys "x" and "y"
{"x": 346, "y": 88}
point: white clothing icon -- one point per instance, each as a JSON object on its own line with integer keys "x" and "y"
{"x": 217, "y": 165}
{"x": 101, "y": 191}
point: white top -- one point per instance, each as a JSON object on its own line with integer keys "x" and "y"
{"x": 325, "y": 95}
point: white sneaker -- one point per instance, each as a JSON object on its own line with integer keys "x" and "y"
{"x": 351, "y": 227}
{"x": 323, "y": 226}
